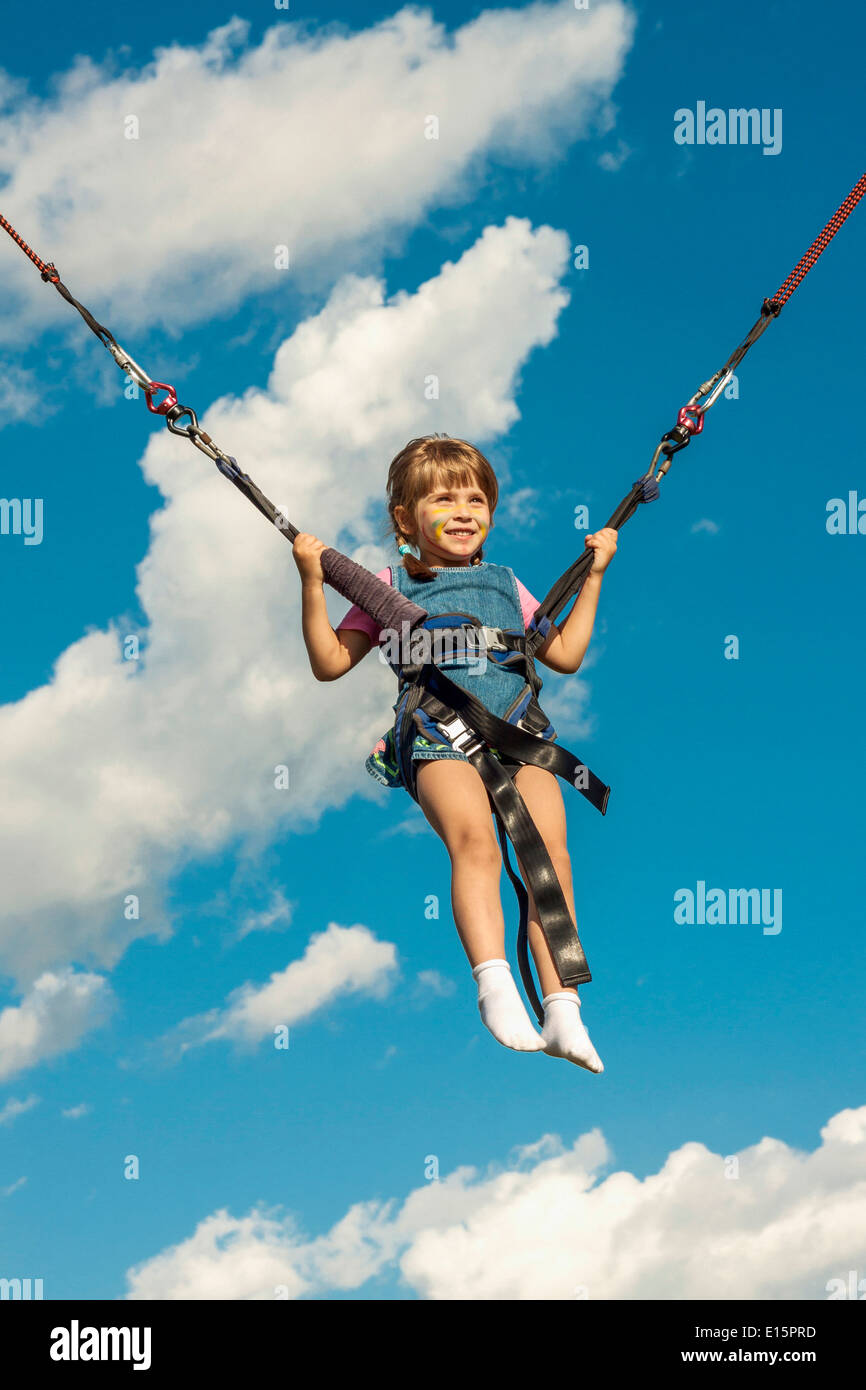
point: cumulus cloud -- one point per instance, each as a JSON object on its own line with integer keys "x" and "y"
{"x": 223, "y": 1256}
{"x": 337, "y": 962}
{"x": 338, "y": 123}
{"x": 706, "y": 524}
{"x": 778, "y": 1224}
{"x": 117, "y": 771}
{"x": 52, "y": 1018}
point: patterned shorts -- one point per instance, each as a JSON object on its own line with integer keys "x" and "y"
{"x": 383, "y": 764}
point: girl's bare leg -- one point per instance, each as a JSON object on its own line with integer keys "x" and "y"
{"x": 454, "y": 800}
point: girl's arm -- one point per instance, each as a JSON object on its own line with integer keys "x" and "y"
{"x": 566, "y": 646}
{"x": 330, "y": 656}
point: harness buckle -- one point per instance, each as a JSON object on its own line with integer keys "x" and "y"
{"x": 465, "y": 740}
{"x": 493, "y": 638}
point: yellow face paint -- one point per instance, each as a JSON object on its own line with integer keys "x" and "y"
{"x": 436, "y": 517}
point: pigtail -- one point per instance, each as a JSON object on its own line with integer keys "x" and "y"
{"x": 415, "y": 568}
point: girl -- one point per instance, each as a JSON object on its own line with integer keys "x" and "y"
{"x": 442, "y": 494}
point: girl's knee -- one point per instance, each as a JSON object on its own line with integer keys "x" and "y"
{"x": 561, "y": 860}
{"x": 475, "y": 846}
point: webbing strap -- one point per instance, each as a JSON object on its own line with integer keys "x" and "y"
{"x": 442, "y": 698}
{"x": 560, "y": 931}
{"x": 568, "y": 584}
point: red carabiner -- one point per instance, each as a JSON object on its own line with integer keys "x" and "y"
{"x": 684, "y": 418}
{"x": 170, "y": 400}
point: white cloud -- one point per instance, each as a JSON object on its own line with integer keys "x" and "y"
{"x": 314, "y": 140}
{"x": 274, "y": 917}
{"x": 13, "y": 1108}
{"x": 612, "y": 160}
{"x": 548, "y": 1226}
{"x": 21, "y": 394}
{"x": 117, "y": 772}
{"x": 221, "y": 1260}
{"x": 433, "y": 982}
{"x": 522, "y": 508}
{"x": 52, "y": 1018}
{"x": 77, "y": 1112}
{"x": 337, "y": 962}
{"x": 565, "y": 701}
{"x": 13, "y": 1187}
{"x": 705, "y": 524}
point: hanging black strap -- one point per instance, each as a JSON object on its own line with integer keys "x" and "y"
{"x": 560, "y": 932}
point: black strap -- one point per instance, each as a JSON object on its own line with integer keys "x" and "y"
{"x": 560, "y": 932}
{"x": 512, "y": 742}
{"x": 571, "y": 582}
{"x": 523, "y": 924}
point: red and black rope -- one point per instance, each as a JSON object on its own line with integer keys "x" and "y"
{"x": 819, "y": 245}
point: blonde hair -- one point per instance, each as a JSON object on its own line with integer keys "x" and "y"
{"x": 414, "y": 473}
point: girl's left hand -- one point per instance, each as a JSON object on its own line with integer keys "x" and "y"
{"x": 603, "y": 542}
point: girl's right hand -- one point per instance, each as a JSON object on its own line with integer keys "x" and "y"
{"x": 307, "y": 551}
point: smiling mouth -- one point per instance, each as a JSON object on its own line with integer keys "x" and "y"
{"x": 464, "y": 531}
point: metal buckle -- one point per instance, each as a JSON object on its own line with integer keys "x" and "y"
{"x": 457, "y": 734}
{"x": 493, "y": 638}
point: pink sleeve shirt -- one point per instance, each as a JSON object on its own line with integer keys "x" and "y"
{"x": 360, "y": 621}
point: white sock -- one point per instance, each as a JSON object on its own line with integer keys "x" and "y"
{"x": 501, "y": 1007}
{"x": 564, "y": 1034}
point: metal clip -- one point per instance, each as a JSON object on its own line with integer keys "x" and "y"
{"x": 493, "y": 638}
{"x": 457, "y": 734}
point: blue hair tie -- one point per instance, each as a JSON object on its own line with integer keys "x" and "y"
{"x": 405, "y": 549}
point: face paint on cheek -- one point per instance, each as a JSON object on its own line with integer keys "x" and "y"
{"x": 435, "y": 525}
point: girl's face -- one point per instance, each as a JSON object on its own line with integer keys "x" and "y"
{"x": 453, "y": 522}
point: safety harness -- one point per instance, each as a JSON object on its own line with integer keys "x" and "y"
{"x": 471, "y": 728}
{"x": 523, "y": 736}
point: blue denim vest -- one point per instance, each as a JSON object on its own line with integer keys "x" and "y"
{"x": 487, "y": 593}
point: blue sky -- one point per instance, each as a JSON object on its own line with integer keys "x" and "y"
{"x": 744, "y": 773}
